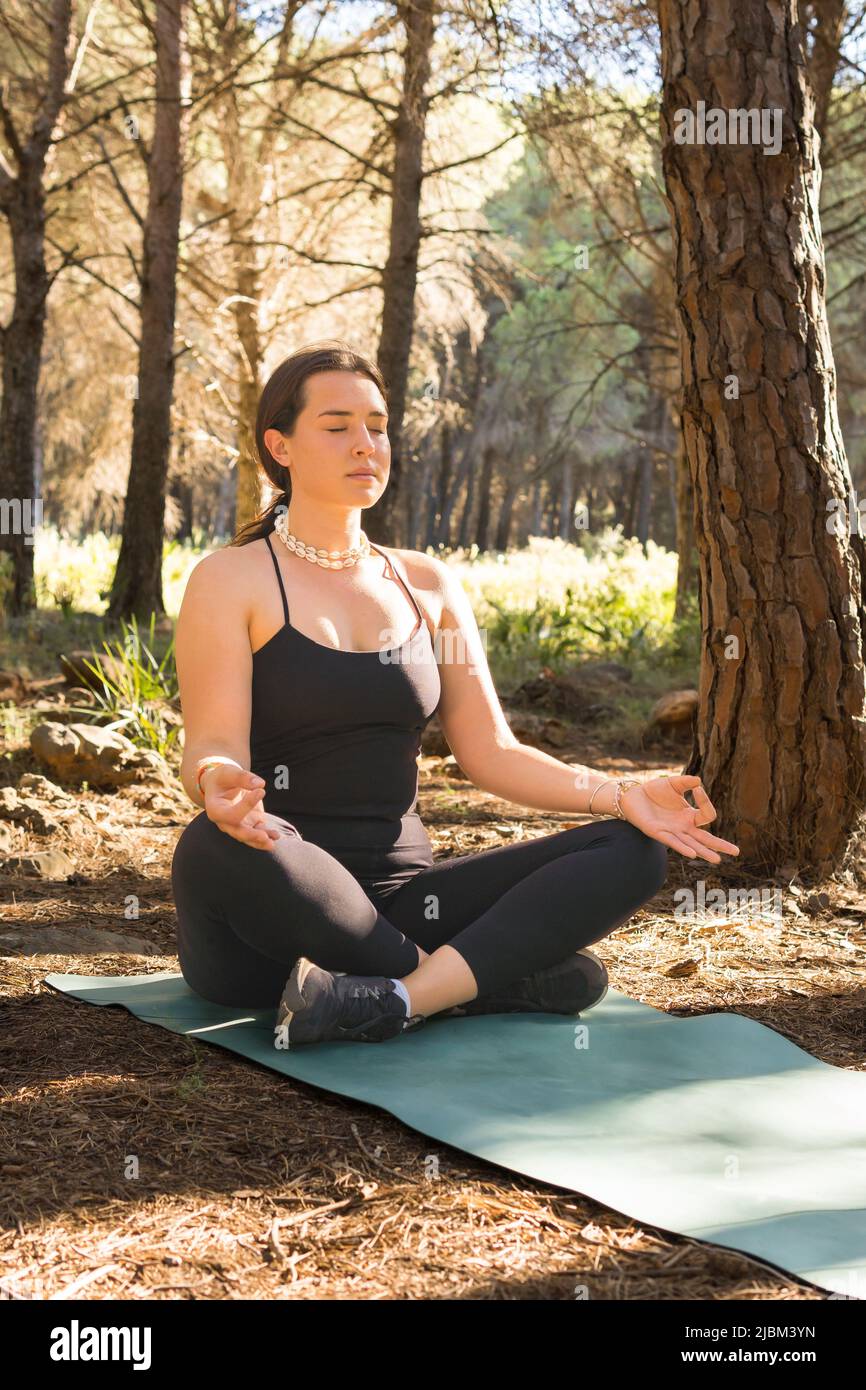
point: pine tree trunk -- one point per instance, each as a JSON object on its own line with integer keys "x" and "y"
{"x": 686, "y": 576}
{"x": 535, "y": 509}
{"x": 22, "y": 201}
{"x": 828, "y": 32}
{"x": 565, "y": 527}
{"x": 503, "y": 527}
{"x": 137, "y": 586}
{"x": 444, "y": 481}
{"x": 646, "y": 462}
{"x": 468, "y": 503}
{"x": 780, "y": 740}
{"x": 482, "y": 525}
{"x": 383, "y": 521}
{"x": 454, "y": 493}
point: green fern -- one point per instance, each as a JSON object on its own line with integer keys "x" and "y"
{"x": 133, "y": 701}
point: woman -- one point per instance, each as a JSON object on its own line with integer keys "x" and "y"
{"x": 304, "y": 705}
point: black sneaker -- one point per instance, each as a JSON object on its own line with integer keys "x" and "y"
{"x": 329, "y": 1006}
{"x": 571, "y": 987}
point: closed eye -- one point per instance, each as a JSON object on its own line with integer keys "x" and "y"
{"x": 341, "y": 429}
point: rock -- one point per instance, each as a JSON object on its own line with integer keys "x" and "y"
{"x": 675, "y": 711}
{"x": 35, "y": 817}
{"x": 55, "y": 744}
{"x": 51, "y": 864}
{"x": 101, "y": 757}
{"x": 32, "y": 783}
{"x": 574, "y": 696}
{"x": 555, "y": 733}
{"x": 72, "y": 941}
{"x": 682, "y": 969}
{"x": 818, "y": 902}
{"x": 26, "y": 811}
{"x": 536, "y": 730}
{"x": 434, "y": 744}
{"x": 612, "y": 668}
{"x": 5, "y": 838}
{"x": 12, "y": 686}
{"x": 549, "y": 689}
{"x": 76, "y": 672}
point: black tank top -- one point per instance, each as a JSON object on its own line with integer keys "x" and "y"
{"x": 335, "y": 735}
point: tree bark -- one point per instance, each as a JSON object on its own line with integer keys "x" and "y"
{"x": 460, "y": 478}
{"x": 247, "y": 167}
{"x": 22, "y": 200}
{"x": 421, "y": 504}
{"x": 137, "y": 586}
{"x": 485, "y": 485}
{"x": 630, "y": 522}
{"x": 780, "y": 740}
{"x": 828, "y": 29}
{"x": 468, "y": 502}
{"x": 686, "y": 574}
{"x": 535, "y": 509}
{"x": 444, "y": 482}
{"x": 566, "y": 500}
{"x": 503, "y": 528}
{"x": 646, "y": 462}
{"x": 383, "y": 521}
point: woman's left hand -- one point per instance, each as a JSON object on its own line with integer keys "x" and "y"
{"x": 659, "y": 808}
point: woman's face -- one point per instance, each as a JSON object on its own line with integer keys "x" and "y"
{"x": 341, "y": 429}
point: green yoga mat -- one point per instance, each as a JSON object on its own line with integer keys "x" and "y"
{"x": 713, "y": 1127}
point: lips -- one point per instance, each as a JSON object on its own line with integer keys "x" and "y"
{"x": 363, "y": 473}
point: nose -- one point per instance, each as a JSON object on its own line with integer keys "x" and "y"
{"x": 366, "y": 445}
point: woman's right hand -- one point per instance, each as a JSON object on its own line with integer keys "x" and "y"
{"x": 232, "y": 800}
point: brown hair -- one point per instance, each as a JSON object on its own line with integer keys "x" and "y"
{"x": 280, "y": 404}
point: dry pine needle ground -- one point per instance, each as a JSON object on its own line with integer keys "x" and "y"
{"x": 250, "y": 1185}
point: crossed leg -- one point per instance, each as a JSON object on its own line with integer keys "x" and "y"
{"x": 492, "y": 917}
{"x": 245, "y": 915}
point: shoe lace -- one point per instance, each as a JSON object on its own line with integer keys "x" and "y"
{"x": 355, "y": 1003}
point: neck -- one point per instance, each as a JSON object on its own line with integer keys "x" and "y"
{"x": 316, "y": 526}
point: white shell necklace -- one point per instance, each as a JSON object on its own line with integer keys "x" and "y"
{"x": 328, "y": 559}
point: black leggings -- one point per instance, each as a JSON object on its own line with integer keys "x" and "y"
{"x": 245, "y": 915}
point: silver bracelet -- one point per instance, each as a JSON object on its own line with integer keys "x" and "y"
{"x": 622, "y": 784}
{"x": 621, "y": 787}
{"x": 592, "y": 798}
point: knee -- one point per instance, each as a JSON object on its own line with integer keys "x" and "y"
{"x": 645, "y": 860}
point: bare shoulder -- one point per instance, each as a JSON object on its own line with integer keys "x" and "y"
{"x": 225, "y": 575}
{"x": 230, "y": 561}
{"x": 440, "y": 584}
{"x": 426, "y": 570}
{"x": 427, "y": 576}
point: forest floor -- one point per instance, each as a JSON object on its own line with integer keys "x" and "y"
{"x": 256, "y": 1186}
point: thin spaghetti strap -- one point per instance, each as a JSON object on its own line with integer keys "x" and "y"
{"x": 279, "y": 578}
{"x": 398, "y": 569}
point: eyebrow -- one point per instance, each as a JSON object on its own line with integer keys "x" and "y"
{"x": 380, "y": 413}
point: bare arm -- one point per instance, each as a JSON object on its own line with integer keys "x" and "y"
{"x": 482, "y": 742}
{"x": 214, "y": 667}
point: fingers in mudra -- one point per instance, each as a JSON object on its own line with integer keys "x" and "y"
{"x": 706, "y": 809}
